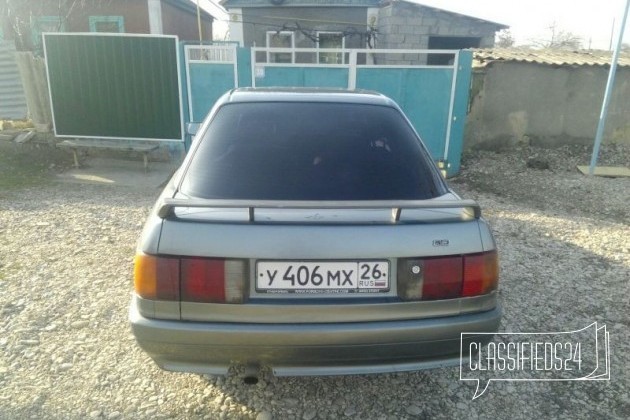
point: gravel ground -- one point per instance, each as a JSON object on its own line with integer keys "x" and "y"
{"x": 66, "y": 350}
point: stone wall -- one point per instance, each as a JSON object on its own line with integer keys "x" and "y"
{"x": 514, "y": 102}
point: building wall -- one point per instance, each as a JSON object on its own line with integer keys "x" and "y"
{"x": 134, "y": 13}
{"x": 525, "y": 102}
{"x": 184, "y": 24}
{"x": 410, "y": 26}
{"x": 258, "y": 20}
{"x": 176, "y": 21}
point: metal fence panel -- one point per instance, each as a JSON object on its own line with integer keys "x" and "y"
{"x": 13, "y": 101}
{"x": 211, "y": 70}
{"x": 433, "y": 95}
{"x": 461, "y": 96}
{"x": 332, "y": 77}
{"x": 114, "y": 86}
{"x": 424, "y": 94}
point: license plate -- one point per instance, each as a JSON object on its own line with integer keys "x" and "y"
{"x": 322, "y": 277}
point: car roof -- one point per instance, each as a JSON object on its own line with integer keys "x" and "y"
{"x": 308, "y": 95}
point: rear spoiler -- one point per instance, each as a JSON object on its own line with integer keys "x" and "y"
{"x": 168, "y": 205}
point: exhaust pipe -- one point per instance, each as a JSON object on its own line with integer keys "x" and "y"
{"x": 251, "y": 375}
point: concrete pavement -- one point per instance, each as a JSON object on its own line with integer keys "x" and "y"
{"x": 120, "y": 172}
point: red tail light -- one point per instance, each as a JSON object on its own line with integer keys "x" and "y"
{"x": 481, "y": 273}
{"x": 203, "y": 280}
{"x": 442, "y": 278}
{"x": 211, "y": 280}
{"x": 447, "y": 277}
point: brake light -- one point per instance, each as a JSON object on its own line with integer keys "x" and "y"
{"x": 481, "y": 273}
{"x": 447, "y": 277}
{"x": 203, "y": 280}
{"x": 189, "y": 279}
{"x": 442, "y": 278}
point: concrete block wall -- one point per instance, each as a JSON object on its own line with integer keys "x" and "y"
{"x": 539, "y": 104}
{"x": 404, "y": 25}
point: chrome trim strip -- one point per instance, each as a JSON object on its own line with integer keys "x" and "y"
{"x": 305, "y": 312}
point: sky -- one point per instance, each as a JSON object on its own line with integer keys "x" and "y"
{"x": 530, "y": 20}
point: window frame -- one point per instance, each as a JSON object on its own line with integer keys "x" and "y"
{"x": 343, "y": 46}
{"x": 36, "y": 30}
{"x": 95, "y": 20}
{"x": 268, "y": 36}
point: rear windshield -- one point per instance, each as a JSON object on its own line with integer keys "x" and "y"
{"x": 310, "y": 151}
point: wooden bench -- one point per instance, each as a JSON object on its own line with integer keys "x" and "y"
{"x": 77, "y": 144}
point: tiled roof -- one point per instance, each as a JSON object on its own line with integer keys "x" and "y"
{"x": 549, "y": 57}
{"x": 230, "y": 4}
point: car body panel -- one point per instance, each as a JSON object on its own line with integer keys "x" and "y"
{"x": 335, "y": 348}
{"x": 294, "y": 242}
{"x": 311, "y": 334}
{"x": 265, "y": 311}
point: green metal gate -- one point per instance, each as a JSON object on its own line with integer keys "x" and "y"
{"x": 434, "y": 97}
{"x": 211, "y": 70}
{"x": 112, "y": 86}
{"x": 129, "y": 87}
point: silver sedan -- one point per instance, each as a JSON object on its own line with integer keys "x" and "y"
{"x": 310, "y": 232}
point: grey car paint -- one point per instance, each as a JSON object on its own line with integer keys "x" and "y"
{"x": 302, "y": 335}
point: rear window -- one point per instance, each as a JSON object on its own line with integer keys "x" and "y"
{"x": 310, "y": 151}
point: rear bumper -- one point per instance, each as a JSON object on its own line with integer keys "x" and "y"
{"x": 310, "y": 349}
